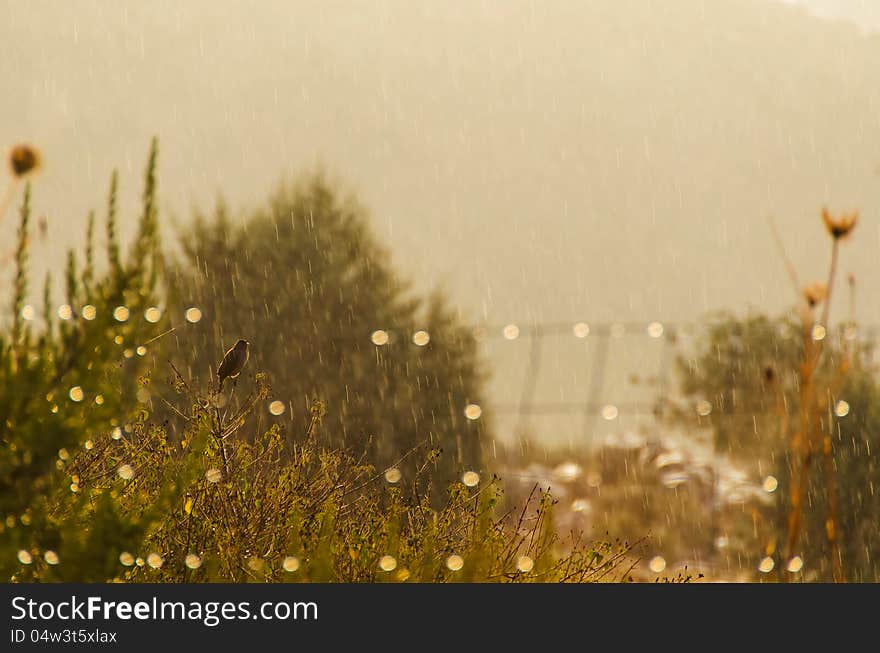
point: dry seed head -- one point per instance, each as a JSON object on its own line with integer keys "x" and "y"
{"x": 815, "y": 293}
{"x": 23, "y": 160}
{"x": 841, "y": 226}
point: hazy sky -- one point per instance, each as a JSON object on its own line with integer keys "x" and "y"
{"x": 549, "y": 161}
{"x": 863, "y": 13}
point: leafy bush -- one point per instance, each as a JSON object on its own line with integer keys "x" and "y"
{"x": 214, "y": 507}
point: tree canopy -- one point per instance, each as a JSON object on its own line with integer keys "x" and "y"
{"x": 304, "y": 280}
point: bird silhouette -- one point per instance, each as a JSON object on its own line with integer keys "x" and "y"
{"x": 233, "y": 362}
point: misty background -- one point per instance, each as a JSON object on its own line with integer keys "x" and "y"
{"x": 605, "y": 161}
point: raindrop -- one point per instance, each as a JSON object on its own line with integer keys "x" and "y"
{"x": 525, "y": 564}
{"x": 770, "y": 484}
{"x": 581, "y": 330}
{"x": 152, "y": 314}
{"x": 155, "y": 560}
{"x": 421, "y": 338}
{"x": 276, "y": 407}
{"x": 580, "y": 505}
{"x": 455, "y": 562}
{"x": 795, "y": 564}
{"x": 766, "y": 565}
{"x": 657, "y": 564}
{"x": 290, "y": 564}
{"x": 118, "y": 340}
{"x": 655, "y": 329}
{"x": 392, "y": 475}
{"x": 402, "y": 574}
{"x": 126, "y": 559}
{"x": 76, "y": 393}
{"x": 379, "y": 337}
{"x": 126, "y": 472}
{"x": 818, "y": 332}
{"x": 128, "y": 353}
{"x": 89, "y": 312}
{"x": 24, "y": 557}
{"x": 704, "y": 408}
{"x": 567, "y": 472}
{"x": 116, "y": 434}
{"x": 193, "y": 315}
{"x": 471, "y": 479}
{"x": 141, "y": 350}
{"x": 193, "y": 561}
{"x": 511, "y": 332}
{"x": 609, "y": 412}
{"x": 88, "y": 445}
{"x": 99, "y": 399}
{"x": 65, "y": 312}
{"x": 63, "y": 454}
{"x": 139, "y": 561}
{"x": 387, "y": 563}
{"x": 841, "y": 409}
{"x": 51, "y": 558}
{"x": 121, "y": 314}
{"x": 27, "y": 312}
{"x": 473, "y": 411}
{"x": 213, "y": 475}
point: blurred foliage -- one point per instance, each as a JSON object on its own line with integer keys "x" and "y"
{"x": 69, "y": 376}
{"x": 748, "y": 370}
{"x": 306, "y": 283}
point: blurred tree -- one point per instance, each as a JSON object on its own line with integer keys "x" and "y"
{"x": 307, "y": 284}
{"x": 741, "y": 383}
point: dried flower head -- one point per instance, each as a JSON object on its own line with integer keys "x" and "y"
{"x": 815, "y": 292}
{"x": 23, "y": 160}
{"x": 841, "y": 226}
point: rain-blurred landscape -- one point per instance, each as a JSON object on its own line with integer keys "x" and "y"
{"x": 609, "y": 263}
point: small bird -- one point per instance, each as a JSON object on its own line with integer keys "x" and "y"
{"x": 233, "y": 362}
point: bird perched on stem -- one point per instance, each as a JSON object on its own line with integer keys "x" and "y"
{"x": 233, "y": 362}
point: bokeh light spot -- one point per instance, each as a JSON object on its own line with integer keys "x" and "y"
{"x": 387, "y": 563}
{"x": 471, "y": 479}
{"x": 657, "y": 564}
{"x": 276, "y": 407}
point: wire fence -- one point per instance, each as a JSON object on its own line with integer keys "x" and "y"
{"x": 594, "y": 403}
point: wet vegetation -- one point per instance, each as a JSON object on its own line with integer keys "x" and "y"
{"x": 354, "y": 446}
{"x": 121, "y": 459}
